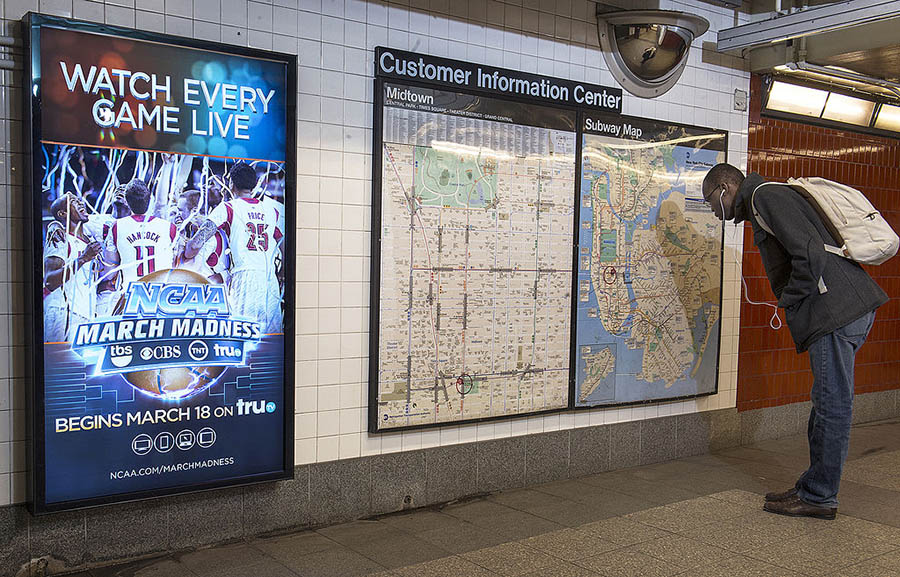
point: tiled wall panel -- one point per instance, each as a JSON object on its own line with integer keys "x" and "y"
{"x": 334, "y": 40}
{"x": 770, "y": 372}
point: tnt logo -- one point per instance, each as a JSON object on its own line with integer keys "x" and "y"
{"x": 227, "y": 351}
{"x": 198, "y": 350}
{"x": 120, "y": 355}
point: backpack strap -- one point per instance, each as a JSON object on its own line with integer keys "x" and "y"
{"x": 762, "y": 223}
{"x": 840, "y": 251}
{"x": 759, "y": 219}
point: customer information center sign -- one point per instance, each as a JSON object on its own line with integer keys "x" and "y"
{"x": 533, "y": 249}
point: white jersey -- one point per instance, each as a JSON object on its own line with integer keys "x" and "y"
{"x": 75, "y": 300}
{"x": 253, "y": 227}
{"x": 212, "y": 258}
{"x": 98, "y": 226}
{"x": 145, "y": 244}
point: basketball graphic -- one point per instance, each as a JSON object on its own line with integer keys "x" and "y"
{"x": 171, "y": 382}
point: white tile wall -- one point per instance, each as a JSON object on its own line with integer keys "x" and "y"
{"x": 334, "y": 41}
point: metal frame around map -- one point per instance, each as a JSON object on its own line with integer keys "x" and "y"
{"x": 375, "y": 252}
{"x": 375, "y": 261}
{"x": 573, "y": 360}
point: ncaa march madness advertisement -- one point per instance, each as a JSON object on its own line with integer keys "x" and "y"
{"x": 163, "y": 185}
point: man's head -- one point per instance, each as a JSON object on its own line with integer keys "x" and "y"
{"x": 69, "y": 208}
{"x": 187, "y": 203}
{"x": 720, "y": 189}
{"x": 137, "y": 195}
{"x": 243, "y": 179}
{"x": 214, "y": 194}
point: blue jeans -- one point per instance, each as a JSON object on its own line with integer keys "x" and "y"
{"x": 831, "y": 358}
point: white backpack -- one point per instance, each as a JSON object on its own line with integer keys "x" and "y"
{"x": 848, "y": 215}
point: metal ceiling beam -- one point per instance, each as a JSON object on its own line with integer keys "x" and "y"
{"x": 805, "y": 22}
{"x": 821, "y": 47}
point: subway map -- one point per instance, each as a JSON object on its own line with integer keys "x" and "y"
{"x": 477, "y": 225}
{"x": 649, "y": 265}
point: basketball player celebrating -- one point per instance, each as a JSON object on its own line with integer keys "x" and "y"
{"x": 139, "y": 244}
{"x": 107, "y": 293}
{"x": 69, "y": 294}
{"x": 252, "y": 227}
{"x": 211, "y": 261}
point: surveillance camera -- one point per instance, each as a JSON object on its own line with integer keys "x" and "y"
{"x": 646, "y": 50}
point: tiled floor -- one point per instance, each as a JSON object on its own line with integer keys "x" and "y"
{"x": 697, "y": 517}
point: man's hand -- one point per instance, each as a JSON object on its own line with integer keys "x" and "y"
{"x": 55, "y": 232}
{"x": 196, "y": 242}
{"x": 90, "y": 253}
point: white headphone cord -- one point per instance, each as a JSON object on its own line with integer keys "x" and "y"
{"x": 775, "y": 321}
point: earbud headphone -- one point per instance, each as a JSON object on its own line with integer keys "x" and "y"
{"x": 775, "y": 321}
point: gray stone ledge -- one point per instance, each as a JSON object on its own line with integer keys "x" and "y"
{"x": 339, "y": 491}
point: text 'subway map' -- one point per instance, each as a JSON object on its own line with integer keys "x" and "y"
{"x": 477, "y": 212}
{"x": 650, "y": 262}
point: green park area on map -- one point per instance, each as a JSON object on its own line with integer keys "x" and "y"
{"x": 450, "y": 179}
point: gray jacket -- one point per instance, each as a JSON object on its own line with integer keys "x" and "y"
{"x": 798, "y": 265}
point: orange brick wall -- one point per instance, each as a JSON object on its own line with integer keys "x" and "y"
{"x": 769, "y": 370}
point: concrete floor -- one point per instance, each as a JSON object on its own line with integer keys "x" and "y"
{"x": 699, "y": 516}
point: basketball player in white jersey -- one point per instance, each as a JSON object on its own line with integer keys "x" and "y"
{"x": 253, "y": 227}
{"x": 212, "y": 260}
{"x": 69, "y": 292}
{"x": 139, "y": 244}
{"x": 100, "y": 227}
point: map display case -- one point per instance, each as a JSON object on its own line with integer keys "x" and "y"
{"x": 474, "y": 221}
{"x": 649, "y": 297}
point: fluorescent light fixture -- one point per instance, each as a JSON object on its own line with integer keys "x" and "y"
{"x": 841, "y": 108}
{"x": 888, "y": 118}
{"x": 796, "y": 99}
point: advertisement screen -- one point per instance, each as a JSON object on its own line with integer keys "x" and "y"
{"x": 163, "y": 201}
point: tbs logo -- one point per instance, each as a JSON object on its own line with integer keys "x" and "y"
{"x": 120, "y": 355}
{"x": 161, "y": 352}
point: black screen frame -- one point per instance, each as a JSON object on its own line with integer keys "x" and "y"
{"x": 36, "y": 475}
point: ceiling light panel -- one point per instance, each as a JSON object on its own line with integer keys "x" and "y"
{"x": 841, "y": 108}
{"x": 796, "y": 99}
{"x": 888, "y": 118}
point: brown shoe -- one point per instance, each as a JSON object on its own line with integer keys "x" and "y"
{"x": 783, "y": 496}
{"x": 796, "y": 508}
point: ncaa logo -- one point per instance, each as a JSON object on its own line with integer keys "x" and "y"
{"x": 120, "y": 355}
{"x": 198, "y": 350}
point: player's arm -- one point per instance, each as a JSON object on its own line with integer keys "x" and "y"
{"x": 195, "y": 243}
{"x": 279, "y": 240}
{"x": 56, "y": 273}
{"x": 110, "y": 250}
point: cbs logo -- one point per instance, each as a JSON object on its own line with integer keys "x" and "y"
{"x": 161, "y": 352}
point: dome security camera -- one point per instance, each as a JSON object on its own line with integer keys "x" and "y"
{"x": 646, "y": 50}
